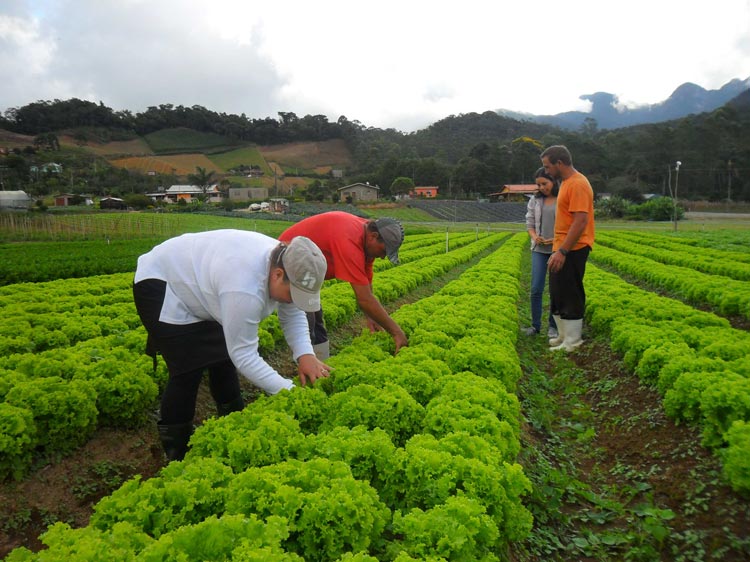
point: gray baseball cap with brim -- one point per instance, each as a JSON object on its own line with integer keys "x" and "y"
{"x": 392, "y": 233}
{"x": 305, "y": 265}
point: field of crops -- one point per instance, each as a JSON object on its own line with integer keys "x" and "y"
{"x": 396, "y": 458}
{"x": 249, "y": 156}
{"x": 186, "y": 140}
{"x": 178, "y": 164}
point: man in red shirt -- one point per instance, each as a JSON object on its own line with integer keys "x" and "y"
{"x": 574, "y": 238}
{"x": 350, "y": 245}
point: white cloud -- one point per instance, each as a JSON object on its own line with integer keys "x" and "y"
{"x": 401, "y": 64}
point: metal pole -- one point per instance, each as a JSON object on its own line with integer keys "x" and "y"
{"x": 674, "y": 201}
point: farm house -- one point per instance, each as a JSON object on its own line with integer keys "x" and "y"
{"x": 515, "y": 192}
{"x": 248, "y": 193}
{"x": 112, "y": 203}
{"x": 429, "y": 192}
{"x": 14, "y": 200}
{"x": 358, "y": 192}
{"x": 188, "y": 193}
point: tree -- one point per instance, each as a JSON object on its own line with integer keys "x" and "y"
{"x": 626, "y": 189}
{"x": 203, "y": 179}
{"x": 402, "y": 186}
{"x": 316, "y": 191}
{"x": 47, "y": 141}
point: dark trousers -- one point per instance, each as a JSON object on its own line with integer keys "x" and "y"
{"x": 188, "y": 351}
{"x": 181, "y": 392}
{"x": 318, "y": 333}
{"x": 567, "y": 296}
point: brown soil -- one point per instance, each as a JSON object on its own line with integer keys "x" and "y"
{"x": 179, "y": 164}
{"x": 621, "y": 447}
{"x": 10, "y": 139}
{"x": 308, "y": 154}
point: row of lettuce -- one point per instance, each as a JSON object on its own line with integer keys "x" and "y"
{"x": 696, "y": 360}
{"x": 72, "y": 352}
{"x": 395, "y": 458}
{"x": 681, "y": 273}
{"x": 34, "y": 262}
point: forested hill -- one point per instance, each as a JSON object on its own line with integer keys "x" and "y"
{"x": 452, "y": 138}
{"x": 465, "y": 155}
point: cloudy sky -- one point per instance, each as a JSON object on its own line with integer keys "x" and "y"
{"x": 389, "y": 63}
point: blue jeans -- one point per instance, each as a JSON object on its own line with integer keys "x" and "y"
{"x": 538, "y": 277}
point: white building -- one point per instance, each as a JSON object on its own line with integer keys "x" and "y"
{"x": 14, "y": 200}
{"x": 189, "y": 193}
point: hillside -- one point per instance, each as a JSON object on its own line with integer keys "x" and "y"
{"x": 179, "y": 151}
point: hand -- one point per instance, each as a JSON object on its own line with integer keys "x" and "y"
{"x": 400, "y": 340}
{"x": 310, "y": 369}
{"x": 373, "y": 326}
{"x": 556, "y": 262}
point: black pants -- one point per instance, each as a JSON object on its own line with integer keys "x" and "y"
{"x": 567, "y": 296}
{"x": 318, "y": 333}
{"x": 188, "y": 351}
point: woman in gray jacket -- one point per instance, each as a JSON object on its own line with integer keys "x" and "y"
{"x": 540, "y": 224}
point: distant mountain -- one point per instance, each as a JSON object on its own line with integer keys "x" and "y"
{"x": 687, "y": 99}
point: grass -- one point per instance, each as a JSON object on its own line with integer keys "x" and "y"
{"x": 247, "y": 155}
{"x": 186, "y": 140}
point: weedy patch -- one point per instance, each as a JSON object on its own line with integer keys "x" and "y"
{"x": 614, "y": 479}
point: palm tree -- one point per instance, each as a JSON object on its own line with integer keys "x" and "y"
{"x": 203, "y": 179}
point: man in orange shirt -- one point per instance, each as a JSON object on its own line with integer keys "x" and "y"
{"x": 350, "y": 245}
{"x": 574, "y": 238}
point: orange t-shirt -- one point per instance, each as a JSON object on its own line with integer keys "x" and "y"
{"x": 341, "y": 238}
{"x": 576, "y": 196}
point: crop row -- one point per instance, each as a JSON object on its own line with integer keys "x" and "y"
{"x": 103, "y": 226}
{"x": 695, "y": 359}
{"x": 396, "y": 458}
{"x": 697, "y": 259}
{"x": 71, "y": 353}
{"x": 46, "y": 261}
{"x": 729, "y": 296}
{"x": 725, "y": 239}
{"x": 726, "y": 252}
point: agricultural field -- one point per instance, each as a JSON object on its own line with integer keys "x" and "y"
{"x": 15, "y": 140}
{"x": 308, "y": 155}
{"x": 247, "y": 155}
{"x": 133, "y": 147}
{"x": 474, "y": 443}
{"x": 186, "y": 140}
{"x": 179, "y": 164}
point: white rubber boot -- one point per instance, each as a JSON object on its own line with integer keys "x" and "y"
{"x": 560, "y": 331}
{"x": 572, "y": 338}
{"x": 322, "y": 350}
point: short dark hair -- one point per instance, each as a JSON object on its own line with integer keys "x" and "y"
{"x": 542, "y": 173}
{"x": 277, "y": 258}
{"x": 558, "y": 153}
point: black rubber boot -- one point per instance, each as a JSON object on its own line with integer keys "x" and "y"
{"x": 235, "y": 405}
{"x": 174, "y": 439}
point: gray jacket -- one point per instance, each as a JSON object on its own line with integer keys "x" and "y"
{"x": 534, "y": 216}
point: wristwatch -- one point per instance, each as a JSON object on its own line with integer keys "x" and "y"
{"x": 563, "y": 251}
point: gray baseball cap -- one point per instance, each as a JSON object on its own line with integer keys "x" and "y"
{"x": 392, "y": 233}
{"x": 305, "y": 265}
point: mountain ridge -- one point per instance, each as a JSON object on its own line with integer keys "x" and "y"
{"x": 606, "y": 109}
